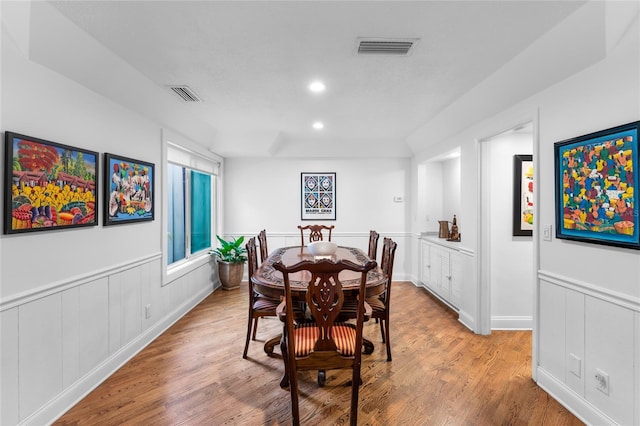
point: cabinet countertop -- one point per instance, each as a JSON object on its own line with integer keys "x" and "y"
{"x": 453, "y": 245}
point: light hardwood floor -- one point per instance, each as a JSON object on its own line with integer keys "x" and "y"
{"x": 441, "y": 374}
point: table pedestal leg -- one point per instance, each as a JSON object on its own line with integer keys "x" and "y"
{"x": 271, "y": 343}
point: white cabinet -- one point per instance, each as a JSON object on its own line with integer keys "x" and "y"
{"x": 441, "y": 271}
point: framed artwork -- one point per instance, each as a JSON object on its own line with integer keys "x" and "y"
{"x": 129, "y": 190}
{"x": 523, "y": 195}
{"x": 597, "y": 187}
{"x": 318, "y": 196}
{"x": 48, "y": 185}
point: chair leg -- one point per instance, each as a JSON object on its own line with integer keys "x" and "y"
{"x": 355, "y": 388}
{"x": 382, "y": 330}
{"x": 293, "y": 388}
{"x": 386, "y": 326}
{"x": 246, "y": 345}
{"x": 255, "y": 328}
{"x": 284, "y": 383}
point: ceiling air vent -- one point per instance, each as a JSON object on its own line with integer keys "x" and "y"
{"x": 389, "y": 46}
{"x": 185, "y": 93}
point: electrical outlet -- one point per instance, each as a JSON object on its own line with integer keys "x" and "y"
{"x": 602, "y": 381}
{"x": 147, "y": 311}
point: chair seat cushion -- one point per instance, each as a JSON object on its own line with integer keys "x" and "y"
{"x": 376, "y": 304}
{"x": 265, "y": 304}
{"x": 351, "y": 306}
{"x": 306, "y": 334}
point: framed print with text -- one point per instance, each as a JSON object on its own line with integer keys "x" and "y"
{"x": 318, "y": 196}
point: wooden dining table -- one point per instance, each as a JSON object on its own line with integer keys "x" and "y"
{"x": 269, "y": 282}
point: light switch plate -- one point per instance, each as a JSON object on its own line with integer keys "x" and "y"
{"x": 546, "y": 232}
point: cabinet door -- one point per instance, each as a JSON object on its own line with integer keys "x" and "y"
{"x": 425, "y": 263}
{"x": 456, "y": 266}
{"x": 435, "y": 260}
{"x": 444, "y": 286}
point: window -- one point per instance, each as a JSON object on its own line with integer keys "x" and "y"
{"x": 191, "y": 204}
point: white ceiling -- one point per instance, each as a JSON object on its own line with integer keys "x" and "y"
{"x": 251, "y": 63}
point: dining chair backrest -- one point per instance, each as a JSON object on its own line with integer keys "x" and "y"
{"x": 373, "y": 244}
{"x": 324, "y": 343}
{"x": 262, "y": 240}
{"x": 252, "y": 257}
{"x": 315, "y": 233}
{"x": 388, "y": 257}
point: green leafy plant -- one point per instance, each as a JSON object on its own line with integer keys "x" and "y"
{"x": 231, "y": 251}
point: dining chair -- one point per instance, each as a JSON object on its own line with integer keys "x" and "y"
{"x": 315, "y": 232}
{"x": 324, "y": 343}
{"x": 259, "y": 306}
{"x": 373, "y": 244}
{"x": 262, "y": 240}
{"x": 380, "y": 304}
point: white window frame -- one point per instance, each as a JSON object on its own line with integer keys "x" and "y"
{"x": 180, "y": 151}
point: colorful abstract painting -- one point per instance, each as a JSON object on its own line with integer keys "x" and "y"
{"x": 128, "y": 190}
{"x": 596, "y": 187}
{"x": 318, "y": 196}
{"x": 48, "y": 185}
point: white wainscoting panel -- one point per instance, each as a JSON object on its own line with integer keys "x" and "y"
{"x": 40, "y": 346}
{"x": 609, "y": 338}
{"x": 575, "y": 342}
{"x": 63, "y": 340}
{"x": 9, "y": 362}
{"x": 583, "y": 327}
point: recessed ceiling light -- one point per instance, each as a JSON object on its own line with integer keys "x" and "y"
{"x": 318, "y": 125}
{"x": 317, "y": 87}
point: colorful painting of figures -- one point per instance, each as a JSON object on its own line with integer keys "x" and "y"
{"x": 596, "y": 180}
{"x": 318, "y": 196}
{"x": 128, "y": 190}
{"x": 48, "y": 185}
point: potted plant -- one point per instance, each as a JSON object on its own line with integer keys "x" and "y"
{"x": 230, "y": 257}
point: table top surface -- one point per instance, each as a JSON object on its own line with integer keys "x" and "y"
{"x": 268, "y": 281}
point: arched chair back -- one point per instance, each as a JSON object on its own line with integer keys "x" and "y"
{"x": 315, "y": 233}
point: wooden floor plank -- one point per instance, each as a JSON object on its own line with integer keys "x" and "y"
{"x": 441, "y": 374}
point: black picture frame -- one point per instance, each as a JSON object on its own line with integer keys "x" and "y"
{"x": 48, "y": 185}
{"x": 128, "y": 190}
{"x": 317, "y": 196}
{"x": 522, "y": 195}
{"x": 596, "y": 187}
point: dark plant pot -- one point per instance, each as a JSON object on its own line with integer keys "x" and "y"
{"x": 230, "y": 274}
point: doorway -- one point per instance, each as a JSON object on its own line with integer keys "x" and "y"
{"x": 506, "y": 261}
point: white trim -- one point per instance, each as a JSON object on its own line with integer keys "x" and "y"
{"x": 593, "y": 290}
{"x": 573, "y": 402}
{"x": 511, "y": 322}
{"x": 59, "y": 286}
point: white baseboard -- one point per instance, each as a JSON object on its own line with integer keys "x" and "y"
{"x": 55, "y": 408}
{"x": 511, "y": 323}
{"x": 573, "y": 402}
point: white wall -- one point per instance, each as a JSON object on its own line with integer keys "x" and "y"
{"x": 582, "y": 308}
{"x": 72, "y": 302}
{"x": 451, "y": 190}
{"x": 511, "y": 257}
{"x": 264, "y": 193}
